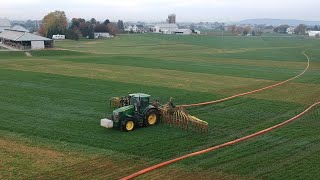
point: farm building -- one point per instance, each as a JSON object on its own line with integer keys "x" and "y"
{"x": 290, "y": 30}
{"x": 24, "y": 40}
{"x": 139, "y": 28}
{"x": 19, "y": 28}
{"x": 183, "y": 31}
{"x": 4, "y": 24}
{"x": 100, "y": 35}
{"x": 195, "y": 31}
{"x": 313, "y": 33}
{"x": 165, "y": 28}
{"x": 58, "y": 36}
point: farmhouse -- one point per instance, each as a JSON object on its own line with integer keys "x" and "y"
{"x": 139, "y": 28}
{"x": 313, "y": 33}
{"x": 4, "y": 24}
{"x": 136, "y": 29}
{"x": 24, "y": 40}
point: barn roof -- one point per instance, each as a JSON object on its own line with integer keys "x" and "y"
{"x": 167, "y": 25}
{"x": 19, "y": 28}
{"x": 14, "y": 35}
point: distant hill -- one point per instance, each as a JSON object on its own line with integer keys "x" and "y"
{"x": 275, "y": 22}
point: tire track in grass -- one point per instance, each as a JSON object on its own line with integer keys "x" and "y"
{"x": 160, "y": 165}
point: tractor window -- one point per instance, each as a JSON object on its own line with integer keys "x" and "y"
{"x": 144, "y": 102}
{"x": 132, "y": 100}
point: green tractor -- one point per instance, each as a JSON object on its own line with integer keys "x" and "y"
{"x": 132, "y": 111}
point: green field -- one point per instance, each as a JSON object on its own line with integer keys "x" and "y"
{"x": 51, "y": 105}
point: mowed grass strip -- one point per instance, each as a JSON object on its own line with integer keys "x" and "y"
{"x": 215, "y": 66}
{"x": 198, "y": 82}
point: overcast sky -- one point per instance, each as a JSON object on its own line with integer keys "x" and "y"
{"x": 157, "y": 10}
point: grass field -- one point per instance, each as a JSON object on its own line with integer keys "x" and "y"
{"x": 51, "y": 105}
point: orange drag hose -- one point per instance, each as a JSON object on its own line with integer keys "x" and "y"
{"x": 218, "y": 146}
{"x": 250, "y": 92}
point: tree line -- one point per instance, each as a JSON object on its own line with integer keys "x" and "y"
{"x": 57, "y": 23}
{"x": 245, "y": 30}
{"x": 301, "y": 29}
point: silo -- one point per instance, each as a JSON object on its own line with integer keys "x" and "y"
{"x": 172, "y": 19}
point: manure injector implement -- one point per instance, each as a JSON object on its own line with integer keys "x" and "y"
{"x": 136, "y": 110}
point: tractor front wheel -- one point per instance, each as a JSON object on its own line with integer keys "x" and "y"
{"x": 152, "y": 118}
{"x": 128, "y": 125}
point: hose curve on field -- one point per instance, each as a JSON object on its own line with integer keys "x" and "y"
{"x": 157, "y": 166}
{"x": 250, "y": 92}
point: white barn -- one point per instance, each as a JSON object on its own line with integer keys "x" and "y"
{"x": 313, "y": 33}
{"x": 24, "y": 40}
{"x": 165, "y": 28}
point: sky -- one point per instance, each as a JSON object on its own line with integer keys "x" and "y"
{"x": 158, "y": 10}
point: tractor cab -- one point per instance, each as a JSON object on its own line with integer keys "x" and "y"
{"x": 140, "y": 101}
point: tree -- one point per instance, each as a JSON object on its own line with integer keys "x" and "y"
{"x": 72, "y": 34}
{"x": 281, "y": 29}
{"x": 87, "y": 29}
{"x": 91, "y": 31}
{"x": 258, "y": 32}
{"x": 120, "y": 25}
{"x": 106, "y": 22}
{"x": 100, "y": 28}
{"x": 53, "y": 23}
{"x": 301, "y": 29}
{"x": 240, "y": 30}
{"x": 269, "y": 27}
{"x": 76, "y": 22}
{"x": 316, "y": 28}
{"x": 232, "y": 29}
{"x": 246, "y": 30}
{"x": 93, "y": 21}
{"x": 112, "y": 28}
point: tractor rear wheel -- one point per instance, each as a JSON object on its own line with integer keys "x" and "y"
{"x": 128, "y": 125}
{"x": 152, "y": 118}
